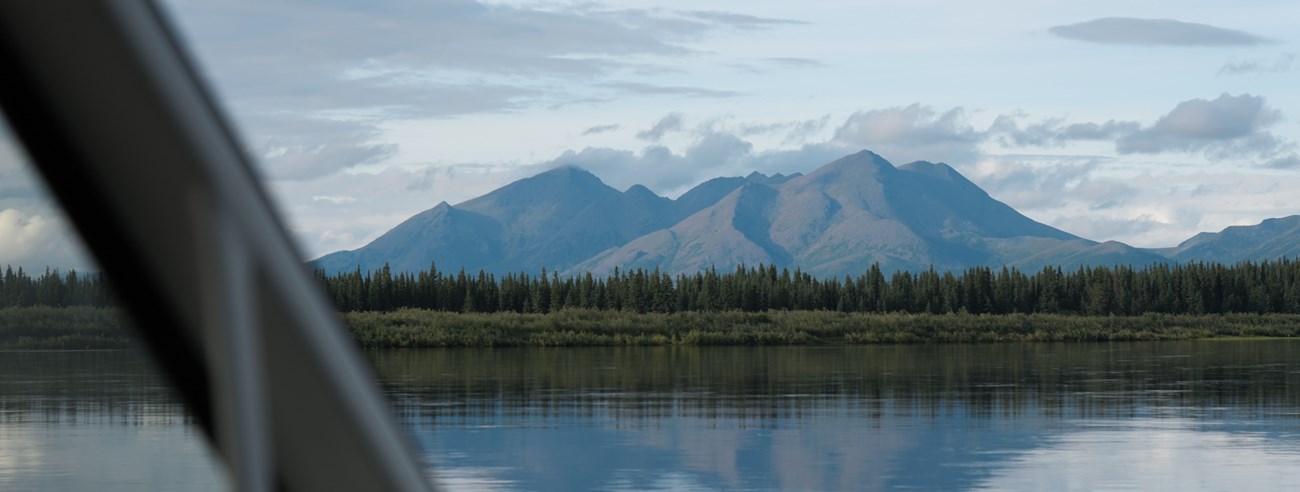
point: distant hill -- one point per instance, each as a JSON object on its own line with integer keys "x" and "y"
{"x": 837, "y": 220}
{"x": 1269, "y": 240}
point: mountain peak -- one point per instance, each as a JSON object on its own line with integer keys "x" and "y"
{"x": 938, "y": 171}
{"x": 569, "y": 180}
{"x": 849, "y": 214}
{"x": 864, "y": 159}
{"x": 639, "y": 191}
{"x": 568, "y": 171}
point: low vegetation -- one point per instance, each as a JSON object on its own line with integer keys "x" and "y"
{"x": 98, "y": 328}
{"x": 69, "y": 328}
{"x": 584, "y": 327}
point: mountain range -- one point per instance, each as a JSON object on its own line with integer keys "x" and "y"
{"x": 837, "y": 220}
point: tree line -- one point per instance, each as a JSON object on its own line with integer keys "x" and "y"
{"x": 1193, "y": 288}
{"x": 52, "y": 288}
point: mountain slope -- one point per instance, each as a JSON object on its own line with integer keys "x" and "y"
{"x": 552, "y": 220}
{"x": 452, "y": 237}
{"x": 836, "y": 220}
{"x": 510, "y": 229}
{"x": 1268, "y": 240}
{"x": 851, "y": 213}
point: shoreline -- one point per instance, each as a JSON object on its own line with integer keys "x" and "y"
{"x": 38, "y": 328}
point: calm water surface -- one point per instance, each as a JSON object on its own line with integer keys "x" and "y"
{"x": 1219, "y": 415}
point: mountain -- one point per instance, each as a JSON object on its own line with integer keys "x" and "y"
{"x": 837, "y": 220}
{"x": 1268, "y": 240}
{"x": 851, "y": 213}
{"x": 555, "y": 220}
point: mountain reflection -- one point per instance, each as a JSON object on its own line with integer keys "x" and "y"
{"x": 831, "y": 418}
{"x": 764, "y": 383}
{"x": 1208, "y": 414}
{"x": 86, "y": 387}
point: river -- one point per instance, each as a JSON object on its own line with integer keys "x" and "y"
{"x": 1203, "y": 415}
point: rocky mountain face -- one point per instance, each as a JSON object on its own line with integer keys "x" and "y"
{"x": 837, "y": 220}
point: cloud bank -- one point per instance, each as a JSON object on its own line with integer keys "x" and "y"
{"x": 1154, "y": 32}
{"x": 311, "y": 106}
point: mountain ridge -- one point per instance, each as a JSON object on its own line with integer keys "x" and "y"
{"x": 839, "y": 219}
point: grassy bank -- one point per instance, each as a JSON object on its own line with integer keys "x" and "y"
{"x": 71, "y": 328}
{"x": 418, "y": 328}
{"x": 87, "y": 328}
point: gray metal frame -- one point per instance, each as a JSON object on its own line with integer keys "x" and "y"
{"x": 114, "y": 116}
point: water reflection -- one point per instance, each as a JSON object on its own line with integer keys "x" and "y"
{"x": 95, "y": 420}
{"x": 1154, "y": 454}
{"x": 828, "y": 418}
{"x": 1173, "y": 415}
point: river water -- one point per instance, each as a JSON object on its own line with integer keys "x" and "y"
{"x": 1207, "y": 415}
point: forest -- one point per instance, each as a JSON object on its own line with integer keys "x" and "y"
{"x": 760, "y": 305}
{"x": 1195, "y": 288}
{"x": 1189, "y": 289}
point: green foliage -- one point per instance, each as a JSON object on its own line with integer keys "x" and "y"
{"x": 412, "y": 328}
{"x": 1195, "y": 288}
{"x": 760, "y": 305}
{"x": 45, "y": 327}
{"x": 51, "y": 288}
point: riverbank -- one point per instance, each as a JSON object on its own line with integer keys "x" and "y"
{"x": 419, "y": 328}
{"x": 91, "y": 328}
{"x": 70, "y": 328}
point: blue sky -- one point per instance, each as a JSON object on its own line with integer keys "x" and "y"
{"x": 1144, "y": 122}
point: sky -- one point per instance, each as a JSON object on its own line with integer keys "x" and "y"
{"x": 1142, "y": 122}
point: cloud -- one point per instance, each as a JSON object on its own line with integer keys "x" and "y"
{"x": 425, "y": 55}
{"x": 335, "y": 199}
{"x": 294, "y": 148}
{"x": 908, "y": 133}
{"x": 1282, "y": 64}
{"x": 740, "y": 21}
{"x": 374, "y": 202}
{"x": 1155, "y": 32}
{"x": 658, "y": 167}
{"x": 670, "y": 123}
{"x": 794, "y": 62}
{"x": 21, "y": 234}
{"x": 666, "y": 90}
{"x": 598, "y": 129}
{"x": 39, "y": 237}
{"x": 1225, "y": 128}
{"x": 288, "y": 69}
{"x": 1090, "y": 197}
{"x": 794, "y": 131}
{"x": 1054, "y": 131}
{"x": 1227, "y": 123}
{"x": 1033, "y": 181}
{"x": 1285, "y": 162}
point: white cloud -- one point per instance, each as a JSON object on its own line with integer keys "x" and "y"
{"x": 21, "y": 234}
{"x": 1199, "y": 123}
{"x": 310, "y": 83}
{"x": 904, "y": 134}
{"x": 38, "y": 240}
{"x": 1096, "y": 198}
{"x": 1227, "y": 128}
